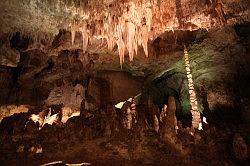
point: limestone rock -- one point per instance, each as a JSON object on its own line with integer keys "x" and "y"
{"x": 168, "y": 132}
{"x": 239, "y": 147}
{"x": 67, "y": 95}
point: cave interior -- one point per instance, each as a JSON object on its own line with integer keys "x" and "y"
{"x": 125, "y": 82}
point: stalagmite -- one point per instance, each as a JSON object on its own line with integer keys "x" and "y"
{"x": 196, "y": 120}
{"x": 169, "y": 121}
{"x": 129, "y": 111}
{"x": 171, "y": 109}
{"x": 163, "y": 112}
{"x": 156, "y": 123}
{"x": 239, "y": 147}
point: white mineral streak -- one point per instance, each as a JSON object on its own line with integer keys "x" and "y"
{"x": 196, "y": 120}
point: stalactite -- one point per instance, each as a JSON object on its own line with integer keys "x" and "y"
{"x": 196, "y": 120}
{"x": 120, "y": 43}
{"x": 139, "y": 36}
{"x": 121, "y": 50}
{"x": 135, "y": 43}
{"x": 130, "y": 39}
{"x": 144, "y": 32}
{"x": 129, "y": 25}
{"x": 129, "y": 30}
{"x": 73, "y": 33}
{"x": 148, "y": 16}
{"x": 85, "y": 38}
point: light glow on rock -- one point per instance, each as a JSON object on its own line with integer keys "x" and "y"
{"x": 200, "y": 126}
{"x": 119, "y": 105}
{"x": 8, "y": 110}
{"x": 49, "y": 119}
{"x": 42, "y": 119}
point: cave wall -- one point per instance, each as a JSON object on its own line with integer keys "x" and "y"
{"x": 219, "y": 68}
{"x": 215, "y": 56}
{"x": 122, "y": 85}
{"x": 37, "y": 74}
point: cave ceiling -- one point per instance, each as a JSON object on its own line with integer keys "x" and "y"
{"x": 118, "y": 27}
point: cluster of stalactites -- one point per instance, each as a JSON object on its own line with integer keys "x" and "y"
{"x": 128, "y": 31}
{"x": 85, "y": 35}
{"x": 196, "y": 120}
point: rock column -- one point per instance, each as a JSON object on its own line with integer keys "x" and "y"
{"x": 196, "y": 120}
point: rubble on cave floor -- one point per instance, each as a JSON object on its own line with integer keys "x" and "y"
{"x": 101, "y": 139}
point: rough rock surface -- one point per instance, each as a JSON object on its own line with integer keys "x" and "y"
{"x": 93, "y": 83}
